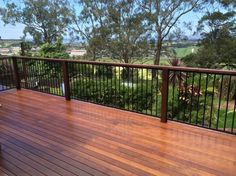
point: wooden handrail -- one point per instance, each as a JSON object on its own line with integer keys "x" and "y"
{"x": 158, "y": 67}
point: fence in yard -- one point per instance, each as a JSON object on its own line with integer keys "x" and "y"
{"x": 200, "y": 97}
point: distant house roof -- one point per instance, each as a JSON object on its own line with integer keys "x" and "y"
{"x": 11, "y": 40}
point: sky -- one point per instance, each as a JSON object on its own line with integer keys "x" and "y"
{"x": 16, "y": 31}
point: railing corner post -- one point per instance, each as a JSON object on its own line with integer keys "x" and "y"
{"x": 66, "y": 80}
{"x": 164, "y": 95}
{"x": 16, "y": 74}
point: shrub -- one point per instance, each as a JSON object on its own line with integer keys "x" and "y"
{"x": 108, "y": 93}
{"x": 129, "y": 74}
{"x": 104, "y": 70}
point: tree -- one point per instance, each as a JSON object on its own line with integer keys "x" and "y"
{"x": 44, "y": 20}
{"x": 218, "y": 46}
{"x": 113, "y": 28}
{"x": 164, "y": 15}
{"x": 91, "y": 25}
{"x": 56, "y": 50}
{"x": 128, "y": 38}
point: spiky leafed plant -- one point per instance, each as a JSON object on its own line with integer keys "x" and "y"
{"x": 176, "y": 76}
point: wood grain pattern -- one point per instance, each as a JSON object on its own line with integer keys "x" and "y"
{"x": 45, "y": 135}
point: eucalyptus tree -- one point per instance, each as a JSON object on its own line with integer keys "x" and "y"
{"x": 114, "y": 28}
{"x": 44, "y": 20}
{"x": 129, "y": 39}
{"x": 217, "y": 48}
{"x": 164, "y": 16}
{"x": 90, "y": 25}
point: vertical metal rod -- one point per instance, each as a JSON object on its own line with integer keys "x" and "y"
{"x": 152, "y": 77}
{"x": 219, "y": 105}
{"x": 164, "y": 97}
{"x": 205, "y": 102}
{"x": 157, "y": 86}
{"x": 186, "y": 91}
{"x": 16, "y": 74}
{"x": 191, "y": 101}
{"x": 128, "y": 88}
{"x": 137, "y": 89}
{"x": 212, "y": 100}
{"x": 173, "y": 93}
{"x": 198, "y": 99}
{"x": 232, "y": 129}
{"x": 146, "y": 91}
{"x": 180, "y": 81}
{"x": 227, "y": 106}
{"x": 132, "y": 94}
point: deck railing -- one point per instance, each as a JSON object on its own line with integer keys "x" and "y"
{"x": 6, "y": 74}
{"x": 200, "y": 97}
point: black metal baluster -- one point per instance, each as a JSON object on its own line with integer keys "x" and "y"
{"x": 83, "y": 83}
{"x": 212, "y": 100}
{"x": 142, "y": 85}
{"x": 38, "y": 75}
{"x": 119, "y": 94}
{"x": 198, "y": 99}
{"x": 227, "y": 104}
{"x": 96, "y": 83}
{"x": 80, "y": 84}
{"x": 204, "y": 109}
{"x": 233, "y": 120}
{"x": 90, "y": 86}
{"x": 152, "y": 91}
{"x": 219, "y": 105}
{"x": 157, "y": 86}
{"x": 132, "y": 91}
{"x": 173, "y": 93}
{"x": 100, "y": 82}
{"x": 179, "y": 98}
{"x": 104, "y": 88}
{"x": 191, "y": 100}
{"x": 146, "y": 91}
{"x": 185, "y": 92}
{"x": 137, "y": 89}
{"x": 128, "y": 98}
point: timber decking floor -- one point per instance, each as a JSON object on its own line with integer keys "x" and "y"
{"x": 43, "y": 134}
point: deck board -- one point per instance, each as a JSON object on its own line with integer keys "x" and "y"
{"x": 43, "y": 134}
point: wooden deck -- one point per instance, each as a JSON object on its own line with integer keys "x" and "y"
{"x": 45, "y": 135}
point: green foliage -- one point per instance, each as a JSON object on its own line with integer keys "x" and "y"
{"x": 217, "y": 48}
{"x": 114, "y": 28}
{"x": 26, "y": 49}
{"x": 56, "y": 50}
{"x": 228, "y": 88}
{"x": 130, "y": 74}
{"x": 164, "y": 16}
{"x": 104, "y": 70}
{"x": 44, "y": 20}
{"x": 186, "y": 98}
{"x": 106, "y": 92}
{"x": 91, "y": 26}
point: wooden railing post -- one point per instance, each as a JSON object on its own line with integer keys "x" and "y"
{"x": 66, "y": 80}
{"x": 16, "y": 74}
{"x": 164, "y": 95}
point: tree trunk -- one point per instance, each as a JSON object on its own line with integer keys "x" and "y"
{"x": 94, "y": 55}
{"x": 158, "y": 51}
{"x": 125, "y": 57}
{"x": 157, "y": 55}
